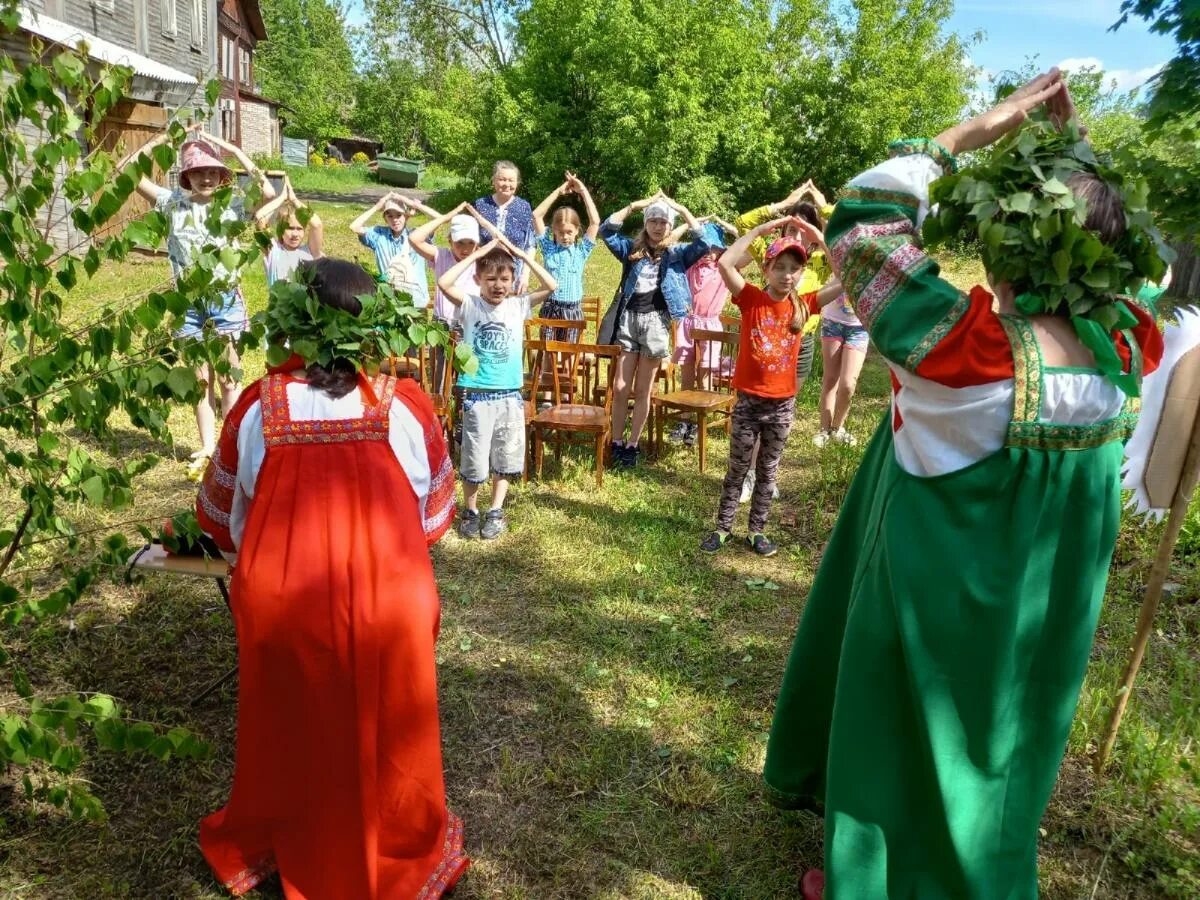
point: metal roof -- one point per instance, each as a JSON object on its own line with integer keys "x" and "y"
{"x": 97, "y": 48}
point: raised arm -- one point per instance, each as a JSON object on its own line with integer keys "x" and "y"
{"x": 264, "y": 214}
{"x": 420, "y": 238}
{"x": 589, "y": 204}
{"x": 448, "y": 283}
{"x": 549, "y": 283}
{"x": 146, "y": 188}
{"x": 728, "y": 263}
{"x": 539, "y": 211}
{"x": 829, "y": 291}
{"x": 422, "y": 208}
{"x": 692, "y": 222}
{"x": 267, "y": 191}
{"x": 359, "y": 225}
{"x": 316, "y": 228}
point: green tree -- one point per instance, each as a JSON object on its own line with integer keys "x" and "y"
{"x": 1177, "y": 86}
{"x": 307, "y": 63}
{"x": 870, "y": 74}
{"x": 66, "y": 379}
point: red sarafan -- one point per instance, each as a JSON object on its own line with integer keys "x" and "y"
{"x": 338, "y": 781}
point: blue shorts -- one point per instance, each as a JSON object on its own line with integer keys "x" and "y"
{"x": 854, "y": 337}
{"x": 228, "y": 318}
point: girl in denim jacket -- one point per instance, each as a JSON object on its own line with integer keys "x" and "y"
{"x": 654, "y": 293}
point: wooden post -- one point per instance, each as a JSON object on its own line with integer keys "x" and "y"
{"x": 1154, "y": 588}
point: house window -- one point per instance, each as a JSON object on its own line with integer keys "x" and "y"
{"x": 166, "y": 18}
{"x": 226, "y": 62}
{"x": 104, "y": 5}
{"x": 229, "y": 121}
{"x": 244, "y": 65}
{"x": 199, "y": 23}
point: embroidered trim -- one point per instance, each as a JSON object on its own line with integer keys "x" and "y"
{"x": 220, "y": 474}
{"x": 1055, "y": 436}
{"x": 864, "y": 193}
{"x": 938, "y": 332}
{"x": 214, "y": 512}
{"x": 925, "y": 147}
{"x": 901, "y": 267}
{"x": 870, "y": 232}
{"x": 1027, "y": 369}
{"x": 279, "y": 428}
{"x": 452, "y": 864}
{"x": 247, "y": 879}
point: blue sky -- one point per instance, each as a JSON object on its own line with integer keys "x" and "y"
{"x": 1074, "y": 32}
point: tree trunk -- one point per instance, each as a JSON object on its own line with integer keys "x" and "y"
{"x": 1185, "y": 271}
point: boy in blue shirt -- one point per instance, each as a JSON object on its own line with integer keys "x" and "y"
{"x": 397, "y": 262}
{"x": 493, "y": 417}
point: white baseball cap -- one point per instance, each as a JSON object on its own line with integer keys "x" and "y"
{"x": 464, "y": 228}
{"x": 659, "y": 210}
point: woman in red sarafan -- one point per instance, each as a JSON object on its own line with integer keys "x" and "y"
{"x": 329, "y": 487}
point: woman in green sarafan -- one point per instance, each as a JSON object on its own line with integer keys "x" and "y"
{"x": 930, "y": 690}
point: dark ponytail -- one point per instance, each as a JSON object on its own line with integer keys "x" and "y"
{"x": 336, "y": 283}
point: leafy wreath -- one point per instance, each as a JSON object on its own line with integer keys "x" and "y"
{"x": 295, "y": 321}
{"x": 1030, "y": 231}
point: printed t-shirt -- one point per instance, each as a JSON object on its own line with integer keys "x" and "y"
{"x": 767, "y": 351}
{"x": 497, "y": 335}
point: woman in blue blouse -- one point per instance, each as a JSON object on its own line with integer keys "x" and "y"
{"x": 511, "y": 214}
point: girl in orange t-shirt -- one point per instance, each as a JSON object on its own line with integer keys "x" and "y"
{"x": 765, "y": 374}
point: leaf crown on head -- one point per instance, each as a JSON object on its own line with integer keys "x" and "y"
{"x": 388, "y": 326}
{"x": 1030, "y": 225}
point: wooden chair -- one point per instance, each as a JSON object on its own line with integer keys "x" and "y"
{"x": 593, "y": 312}
{"x": 718, "y": 400}
{"x": 564, "y": 418}
{"x": 439, "y": 385}
{"x": 538, "y": 381}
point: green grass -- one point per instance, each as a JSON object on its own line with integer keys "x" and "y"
{"x": 604, "y": 702}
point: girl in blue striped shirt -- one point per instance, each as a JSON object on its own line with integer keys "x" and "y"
{"x": 565, "y": 249}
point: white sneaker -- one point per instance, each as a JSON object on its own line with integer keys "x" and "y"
{"x": 747, "y": 488}
{"x": 842, "y": 436}
{"x": 821, "y": 438}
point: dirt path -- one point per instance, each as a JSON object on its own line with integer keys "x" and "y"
{"x": 366, "y": 196}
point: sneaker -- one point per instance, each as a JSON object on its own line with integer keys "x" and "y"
{"x": 715, "y": 541}
{"x": 747, "y": 488}
{"x": 689, "y": 439}
{"x": 468, "y": 525}
{"x": 760, "y": 545}
{"x": 494, "y": 524}
{"x": 842, "y": 436}
{"x": 822, "y": 437}
{"x": 629, "y": 457}
{"x": 616, "y": 455}
{"x": 678, "y": 434}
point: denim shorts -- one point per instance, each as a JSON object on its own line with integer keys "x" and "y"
{"x": 493, "y": 435}
{"x": 853, "y": 336}
{"x": 646, "y": 333}
{"x": 226, "y": 316}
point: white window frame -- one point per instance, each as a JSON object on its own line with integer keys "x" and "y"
{"x": 103, "y": 5}
{"x": 199, "y": 24}
{"x": 244, "y": 67}
{"x": 167, "y": 19}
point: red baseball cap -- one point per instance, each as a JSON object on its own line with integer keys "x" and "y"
{"x": 783, "y": 245}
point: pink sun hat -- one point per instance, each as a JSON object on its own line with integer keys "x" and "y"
{"x": 199, "y": 154}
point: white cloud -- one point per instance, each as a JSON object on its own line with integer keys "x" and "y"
{"x": 1126, "y": 79}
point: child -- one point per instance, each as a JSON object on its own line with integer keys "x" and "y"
{"x": 397, "y": 263}
{"x": 289, "y": 249}
{"x": 709, "y": 294}
{"x": 493, "y": 322}
{"x": 564, "y": 254}
{"x": 464, "y": 239}
{"x": 765, "y": 373}
{"x": 201, "y": 173}
{"x": 652, "y": 294}
{"x": 952, "y": 618}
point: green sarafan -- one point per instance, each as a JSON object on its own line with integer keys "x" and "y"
{"x": 388, "y": 326}
{"x": 1030, "y": 225}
